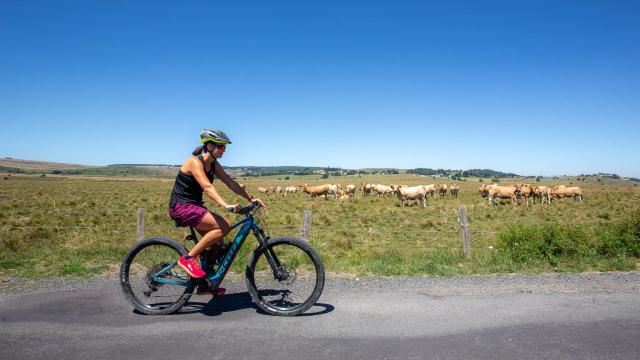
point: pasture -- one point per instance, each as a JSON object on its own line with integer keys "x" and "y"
{"x": 56, "y": 226}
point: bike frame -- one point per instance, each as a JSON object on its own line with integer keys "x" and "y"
{"x": 248, "y": 224}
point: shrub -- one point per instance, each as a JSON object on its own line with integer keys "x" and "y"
{"x": 623, "y": 239}
{"x": 525, "y": 244}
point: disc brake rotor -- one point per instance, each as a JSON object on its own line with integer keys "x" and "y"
{"x": 288, "y": 276}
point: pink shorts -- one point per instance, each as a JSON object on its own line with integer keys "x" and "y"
{"x": 188, "y": 214}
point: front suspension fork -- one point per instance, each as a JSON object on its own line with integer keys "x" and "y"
{"x": 272, "y": 259}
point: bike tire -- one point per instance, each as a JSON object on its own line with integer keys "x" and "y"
{"x": 171, "y": 251}
{"x": 259, "y": 295}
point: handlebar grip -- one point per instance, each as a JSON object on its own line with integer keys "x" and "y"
{"x": 246, "y": 209}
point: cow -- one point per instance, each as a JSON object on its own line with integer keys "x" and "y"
{"x": 264, "y": 190}
{"x": 542, "y": 192}
{"x": 503, "y": 192}
{"x": 350, "y": 189}
{"x": 443, "y": 190}
{"x": 525, "y": 191}
{"x": 315, "y": 191}
{"x": 431, "y": 189}
{"x": 290, "y": 190}
{"x": 383, "y": 190}
{"x": 558, "y": 192}
{"x": 333, "y": 190}
{"x": 454, "y": 189}
{"x": 406, "y": 193}
{"x": 484, "y": 189}
{"x": 366, "y": 189}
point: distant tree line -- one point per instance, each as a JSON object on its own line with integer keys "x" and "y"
{"x": 486, "y": 173}
{"x": 458, "y": 174}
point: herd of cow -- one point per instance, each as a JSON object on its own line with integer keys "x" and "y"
{"x": 419, "y": 193}
{"x": 526, "y": 191}
{"x": 336, "y": 191}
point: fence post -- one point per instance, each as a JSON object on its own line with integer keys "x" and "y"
{"x": 306, "y": 224}
{"x": 466, "y": 235}
{"x": 140, "y": 225}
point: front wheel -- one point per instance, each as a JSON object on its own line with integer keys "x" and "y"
{"x": 294, "y": 285}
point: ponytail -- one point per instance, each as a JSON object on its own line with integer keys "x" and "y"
{"x": 198, "y": 150}
{"x": 202, "y": 148}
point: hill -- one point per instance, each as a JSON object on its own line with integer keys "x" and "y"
{"x": 17, "y": 166}
{"x": 7, "y": 164}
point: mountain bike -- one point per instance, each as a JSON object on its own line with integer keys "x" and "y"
{"x": 284, "y": 276}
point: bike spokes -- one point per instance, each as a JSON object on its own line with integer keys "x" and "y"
{"x": 289, "y": 286}
{"x": 155, "y": 280}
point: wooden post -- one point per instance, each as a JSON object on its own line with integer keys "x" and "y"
{"x": 466, "y": 235}
{"x": 140, "y": 225}
{"x": 306, "y": 225}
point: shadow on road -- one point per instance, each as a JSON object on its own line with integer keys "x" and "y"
{"x": 239, "y": 301}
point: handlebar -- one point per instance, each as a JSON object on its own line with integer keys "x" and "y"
{"x": 247, "y": 209}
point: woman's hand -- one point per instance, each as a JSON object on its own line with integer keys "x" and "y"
{"x": 259, "y": 201}
{"x": 233, "y": 208}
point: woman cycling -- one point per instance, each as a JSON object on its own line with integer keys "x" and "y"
{"x": 186, "y": 206}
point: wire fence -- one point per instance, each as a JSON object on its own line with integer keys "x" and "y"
{"x": 316, "y": 227}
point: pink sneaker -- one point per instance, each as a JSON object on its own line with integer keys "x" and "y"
{"x": 192, "y": 267}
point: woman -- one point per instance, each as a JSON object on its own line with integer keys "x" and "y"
{"x": 186, "y": 206}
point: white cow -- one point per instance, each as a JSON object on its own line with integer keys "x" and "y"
{"x": 406, "y": 193}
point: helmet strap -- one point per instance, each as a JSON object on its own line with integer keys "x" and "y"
{"x": 206, "y": 148}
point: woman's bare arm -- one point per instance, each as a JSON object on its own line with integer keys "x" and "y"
{"x": 197, "y": 170}
{"x": 232, "y": 184}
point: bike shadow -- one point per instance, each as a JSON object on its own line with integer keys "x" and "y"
{"x": 239, "y": 301}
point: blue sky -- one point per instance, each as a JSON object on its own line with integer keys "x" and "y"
{"x": 532, "y": 87}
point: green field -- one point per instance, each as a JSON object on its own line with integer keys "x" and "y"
{"x": 55, "y": 225}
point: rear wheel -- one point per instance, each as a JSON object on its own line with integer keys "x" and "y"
{"x": 141, "y": 270}
{"x": 295, "y": 285}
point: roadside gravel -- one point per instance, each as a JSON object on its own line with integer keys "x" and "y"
{"x": 628, "y": 282}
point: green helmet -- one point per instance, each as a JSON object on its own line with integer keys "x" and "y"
{"x": 215, "y": 136}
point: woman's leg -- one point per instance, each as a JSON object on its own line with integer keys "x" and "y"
{"x": 212, "y": 228}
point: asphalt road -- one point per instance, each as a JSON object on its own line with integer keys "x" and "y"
{"x": 580, "y": 316}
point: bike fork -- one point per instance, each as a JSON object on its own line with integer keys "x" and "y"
{"x": 272, "y": 259}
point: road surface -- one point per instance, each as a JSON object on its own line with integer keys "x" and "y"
{"x": 569, "y": 316}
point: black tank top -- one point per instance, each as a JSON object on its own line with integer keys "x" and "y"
{"x": 186, "y": 189}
